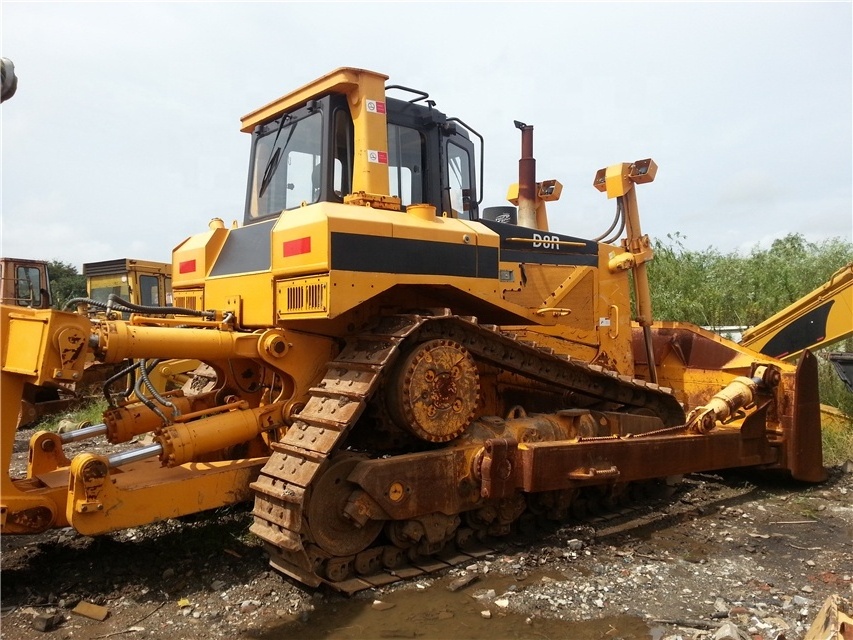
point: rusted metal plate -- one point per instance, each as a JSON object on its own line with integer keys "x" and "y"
{"x": 291, "y": 565}
{"x": 283, "y": 515}
{"x": 281, "y": 538}
{"x": 377, "y": 351}
{"x": 339, "y": 409}
{"x": 318, "y": 438}
{"x": 410, "y": 485}
{"x": 348, "y": 380}
{"x": 430, "y": 564}
{"x": 297, "y": 466}
{"x": 353, "y": 585}
{"x": 453, "y": 556}
{"x": 279, "y": 515}
{"x": 805, "y": 453}
{"x": 381, "y": 579}
{"x": 408, "y": 572}
{"x": 545, "y": 466}
{"x": 279, "y": 489}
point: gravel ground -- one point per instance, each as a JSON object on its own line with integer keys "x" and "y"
{"x": 756, "y": 554}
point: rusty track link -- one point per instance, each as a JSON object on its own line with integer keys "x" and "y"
{"x": 283, "y": 489}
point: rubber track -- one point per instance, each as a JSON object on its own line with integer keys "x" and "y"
{"x": 282, "y": 490}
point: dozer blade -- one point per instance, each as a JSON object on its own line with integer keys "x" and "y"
{"x": 806, "y": 450}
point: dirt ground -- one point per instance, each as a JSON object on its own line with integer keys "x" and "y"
{"x": 759, "y": 553}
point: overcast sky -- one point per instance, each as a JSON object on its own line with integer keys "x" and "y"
{"x": 123, "y": 138}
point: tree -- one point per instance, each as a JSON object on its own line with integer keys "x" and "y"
{"x": 713, "y": 289}
{"x": 65, "y": 283}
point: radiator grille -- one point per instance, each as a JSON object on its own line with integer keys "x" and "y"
{"x": 189, "y": 299}
{"x": 303, "y": 296}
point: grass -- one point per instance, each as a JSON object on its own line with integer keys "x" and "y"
{"x": 92, "y": 411}
{"x": 837, "y": 432}
{"x": 837, "y": 445}
{"x": 837, "y": 421}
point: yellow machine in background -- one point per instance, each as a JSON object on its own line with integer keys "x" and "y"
{"x": 117, "y": 288}
{"x": 140, "y": 282}
{"x": 398, "y": 372}
{"x": 24, "y": 283}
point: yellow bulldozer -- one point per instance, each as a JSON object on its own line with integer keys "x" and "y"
{"x": 141, "y": 282}
{"x": 399, "y": 374}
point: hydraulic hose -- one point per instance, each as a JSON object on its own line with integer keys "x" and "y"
{"x": 112, "y": 379}
{"x": 91, "y": 302}
{"x": 143, "y": 373}
{"x": 616, "y": 219}
{"x": 116, "y": 302}
{"x": 144, "y": 400}
{"x": 620, "y": 217}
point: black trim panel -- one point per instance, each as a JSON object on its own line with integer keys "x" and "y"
{"x": 246, "y": 249}
{"x": 527, "y": 253}
{"x": 357, "y": 252}
{"x": 807, "y": 330}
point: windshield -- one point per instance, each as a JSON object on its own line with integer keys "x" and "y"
{"x": 286, "y": 165}
{"x": 100, "y": 287}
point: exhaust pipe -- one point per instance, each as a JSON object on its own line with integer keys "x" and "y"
{"x": 526, "y": 178}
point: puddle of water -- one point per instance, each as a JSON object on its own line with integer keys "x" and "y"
{"x": 436, "y": 612}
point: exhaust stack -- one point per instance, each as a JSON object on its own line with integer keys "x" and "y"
{"x": 526, "y": 178}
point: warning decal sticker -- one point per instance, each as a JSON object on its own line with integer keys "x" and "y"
{"x": 379, "y": 157}
{"x": 375, "y": 106}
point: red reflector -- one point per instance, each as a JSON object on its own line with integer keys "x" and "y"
{"x": 297, "y": 247}
{"x": 186, "y": 267}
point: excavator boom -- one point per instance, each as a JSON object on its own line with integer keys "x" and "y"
{"x": 819, "y": 318}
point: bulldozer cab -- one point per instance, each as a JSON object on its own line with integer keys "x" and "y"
{"x": 24, "y": 283}
{"x": 139, "y": 281}
{"x": 309, "y": 154}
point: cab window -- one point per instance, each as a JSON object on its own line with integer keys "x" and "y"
{"x": 405, "y": 164}
{"x": 149, "y": 293}
{"x": 342, "y": 180}
{"x": 459, "y": 180}
{"x": 286, "y": 165}
{"x": 28, "y": 286}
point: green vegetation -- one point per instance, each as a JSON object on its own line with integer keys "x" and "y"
{"x": 837, "y": 426}
{"x": 715, "y": 289}
{"x": 92, "y": 412}
{"x": 837, "y": 444}
{"x": 65, "y": 283}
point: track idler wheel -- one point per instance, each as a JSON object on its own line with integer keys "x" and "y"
{"x": 436, "y": 391}
{"x": 330, "y": 528}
